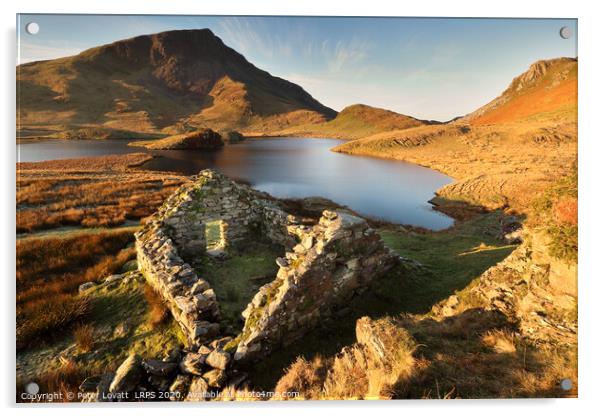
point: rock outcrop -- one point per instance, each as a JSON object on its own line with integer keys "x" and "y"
{"x": 204, "y": 139}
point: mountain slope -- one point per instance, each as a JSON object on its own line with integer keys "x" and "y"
{"x": 172, "y": 81}
{"x": 503, "y": 153}
{"x": 546, "y": 91}
{"x": 357, "y": 121}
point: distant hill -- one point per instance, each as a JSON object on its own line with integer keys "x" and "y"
{"x": 357, "y": 121}
{"x": 505, "y": 152}
{"x": 169, "y": 83}
{"x": 546, "y": 91}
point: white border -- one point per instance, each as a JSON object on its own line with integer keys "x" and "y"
{"x": 590, "y": 156}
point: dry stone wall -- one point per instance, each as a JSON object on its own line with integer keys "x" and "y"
{"x": 177, "y": 231}
{"x": 334, "y": 260}
{"x": 324, "y": 266}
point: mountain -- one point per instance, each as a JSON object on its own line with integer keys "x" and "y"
{"x": 503, "y": 153}
{"x": 168, "y": 82}
{"x": 357, "y": 121}
{"x": 546, "y": 91}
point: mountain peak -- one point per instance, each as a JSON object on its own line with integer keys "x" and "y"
{"x": 175, "y": 80}
{"x": 548, "y": 88}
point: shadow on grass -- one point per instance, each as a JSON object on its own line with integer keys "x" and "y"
{"x": 451, "y": 259}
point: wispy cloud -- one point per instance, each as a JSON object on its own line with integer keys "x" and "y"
{"x": 344, "y": 54}
{"x": 241, "y": 35}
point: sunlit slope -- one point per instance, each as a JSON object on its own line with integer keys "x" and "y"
{"x": 167, "y": 82}
{"x": 503, "y": 153}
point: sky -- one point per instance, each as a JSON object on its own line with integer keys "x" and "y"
{"x": 429, "y": 68}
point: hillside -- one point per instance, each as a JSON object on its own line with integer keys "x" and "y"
{"x": 484, "y": 319}
{"x": 504, "y": 153}
{"x": 357, "y": 121}
{"x": 546, "y": 91}
{"x": 170, "y": 82}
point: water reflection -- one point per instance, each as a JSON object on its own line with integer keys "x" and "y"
{"x": 291, "y": 167}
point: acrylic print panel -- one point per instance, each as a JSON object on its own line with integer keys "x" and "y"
{"x": 213, "y": 208}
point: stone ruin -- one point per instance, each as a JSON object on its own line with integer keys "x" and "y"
{"x": 322, "y": 266}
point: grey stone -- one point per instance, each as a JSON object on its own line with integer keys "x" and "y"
{"x": 84, "y": 287}
{"x": 192, "y": 363}
{"x": 127, "y": 375}
{"x": 90, "y": 384}
{"x": 281, "y": 262}
{"x": 113, "y": 278}
{"x": 198, "y": 390}
{"x": 102, "y": 389}
{"x": 159, "y": 367}
{"x": 218, "y": 359}
{"x": 215, "y": 378}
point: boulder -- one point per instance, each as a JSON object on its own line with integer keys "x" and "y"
{"x": 198, "y": 390}
{"x": 127, "y": 375}
{"x": 215, "y": 378}
{"x": 159, "y": 368}
{"x": 102, "y": 389}
{"x": 159, "y": 383}
{"x": 192, "y": 363}
{"x": 218, "y": 359}
{"x": 84, "y": 287}
{"x": 179, "y": 388}
{"x": 113, "y": 278}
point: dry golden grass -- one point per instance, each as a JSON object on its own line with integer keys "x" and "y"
{"x": 158, "y": 314}
{"x": 88, "y": 164}
{"x": 84, "y": 337}
{"x": 89, "y": 192}
{"x": 354, "y": 122}
{"x": 65, "y": 380}
{"x": 494, "y": 166}
{"x": 306, "y": 377}
{"x": 49, "y": 272}
{"x": 475, "y": 354}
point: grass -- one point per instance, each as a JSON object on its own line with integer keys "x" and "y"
{"x": 158, "y": 313}
{"x": 84, "y": 337}
{"x": 88, "y": 192}
{"x": 119, "y": 306}
{"x": 64, "y": 379}
{"x": 213, "y": 234}
{"x": 49, "y": 272}
{"x": 452, "y": 258}
{"x": 475, "y": 354}
{"x": 237, "y": 278}
{"x": 356, "y": 121}
{"x": 557, "y": 214}
{"x": 447, "y": 268}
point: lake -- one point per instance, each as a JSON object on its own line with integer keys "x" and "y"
{"x": 289, "y": 168}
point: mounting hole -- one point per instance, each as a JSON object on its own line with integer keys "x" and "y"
{"x": 565, "y": 32}
{"x": 566, "y": 384}
{"x": 32, "y": 28}
{"x": 32, "y": 388}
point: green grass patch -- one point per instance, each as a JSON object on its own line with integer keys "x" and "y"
{"x": 237, "y": 278}
{"x": 451, "y": 259}
{"x": 213, "y": 234}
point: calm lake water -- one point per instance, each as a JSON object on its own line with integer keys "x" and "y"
{"x": 290, "y": 168}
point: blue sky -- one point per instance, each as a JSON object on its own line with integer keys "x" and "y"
{"x": 424, "y": 67}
